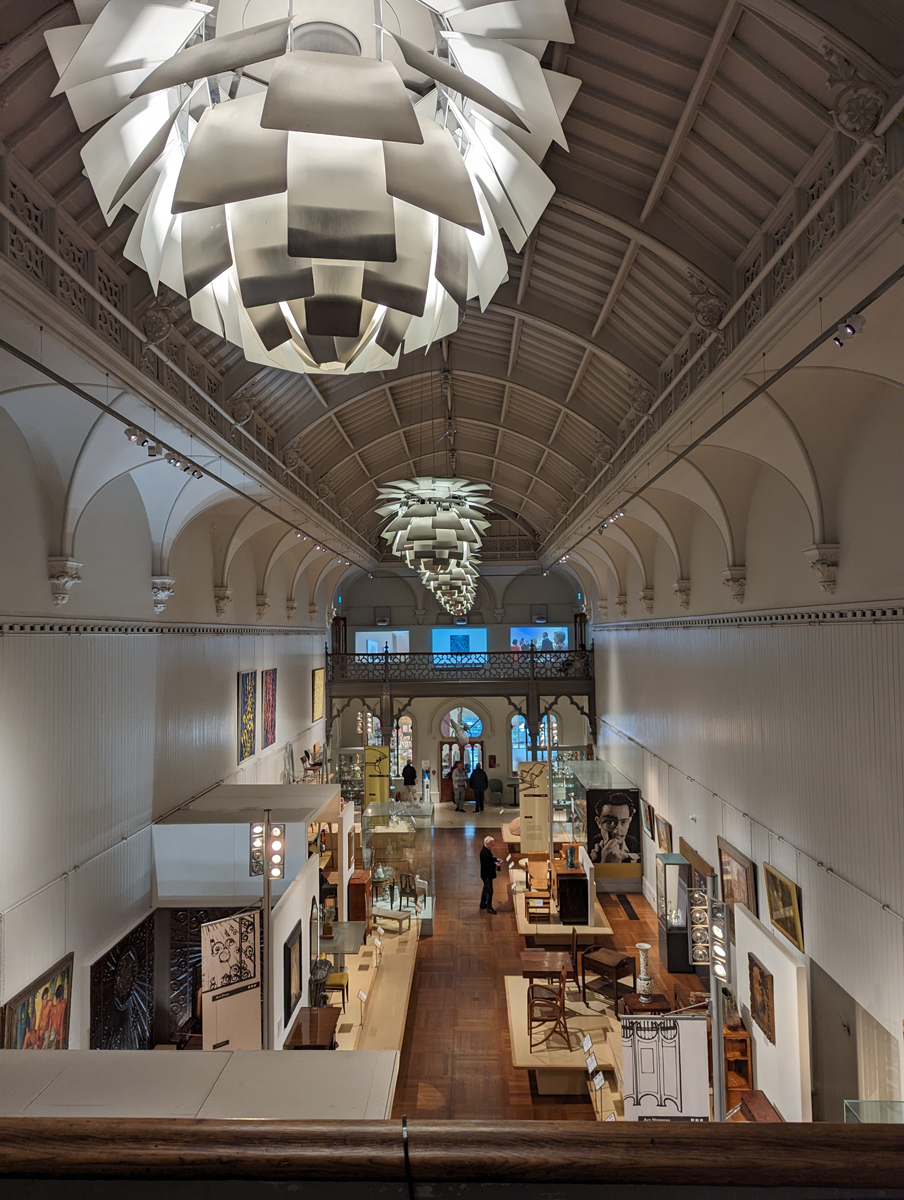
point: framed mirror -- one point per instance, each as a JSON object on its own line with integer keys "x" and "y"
{"x": 315, "y": 931}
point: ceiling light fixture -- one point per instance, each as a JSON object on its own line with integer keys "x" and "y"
{"x": 345, "y": 196}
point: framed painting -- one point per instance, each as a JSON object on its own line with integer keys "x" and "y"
{"x": 38, "y": 1018}
{"x": 318, "y": 678}
{"x": 663, "y": 835}
{"x": 291, "y": 973}
{"x": 762, "y": 999}
{"x": 783, "y": 897}
{"x": 646, "y": 818}
{"x": 737, "y": 875}
{"x": 247, "y": 713}
{"x": 268, "y": 699}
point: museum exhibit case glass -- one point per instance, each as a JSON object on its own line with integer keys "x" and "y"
{"x": 397, "y": 850}
{"x": 673, "y": 875}
{"x": 605, "y": 808}
{"x": 350, "y": 774}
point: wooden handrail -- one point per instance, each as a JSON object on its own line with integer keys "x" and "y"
{"x": 812, "y": 1155}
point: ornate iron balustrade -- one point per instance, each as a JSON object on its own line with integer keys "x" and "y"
{"x": 494, "y": 665}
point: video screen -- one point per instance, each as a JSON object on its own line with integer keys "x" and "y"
{"x": 471, "y": 644}
{"x": 539, "y": 637}
{"x": 375, "y": 641}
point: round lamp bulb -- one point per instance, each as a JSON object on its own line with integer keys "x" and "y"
{"x": 274, "y": 871}
{"x": 276, "y": 858}
{"x": 257, "y": 843}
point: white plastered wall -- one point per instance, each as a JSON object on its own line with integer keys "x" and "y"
{"x": 293, "y": 907}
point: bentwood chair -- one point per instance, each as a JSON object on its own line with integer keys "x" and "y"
{"x": 546, "y": 1007}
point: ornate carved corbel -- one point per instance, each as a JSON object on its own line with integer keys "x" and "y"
{"x": 735, "y": 579}
{"x": 646, "y": 599}
{"x": 63, "y": 573}
{"x": 222, "y": 598}
{"x": 162, "y": 589}
{"x": 709, "y": 309}
{"x": 682, "y": 590}
{"x": 621, "y": 603}
{"x": 291, "y": 606}
{"x": 261, "y": 607}
{"x": 860, "y": 103}
{"x": 824, "y": 561}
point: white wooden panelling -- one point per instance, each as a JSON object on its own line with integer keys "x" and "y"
{"x": 100, "y": 734}
{"x": 800, "y": 727}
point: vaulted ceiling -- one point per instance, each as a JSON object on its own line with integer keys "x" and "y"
{"x": 694, "y": 120}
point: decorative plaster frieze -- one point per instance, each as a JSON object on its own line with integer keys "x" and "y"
{"x": 735, "y": 579}
{"x": 222, "y": 598}
{"x": 682, "y": 590}
{"x": 63, "y": 573}
{"x": 162, "y": 589}
{"x": 261, "y": 607}
{"x": 646, "y": 599}
{"x": 860, "y": 104}
{"x": 824, "y": 561}
{"x": 621, "y": 603}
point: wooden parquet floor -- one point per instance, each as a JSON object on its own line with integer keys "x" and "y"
{"x": 456, "y": 1058}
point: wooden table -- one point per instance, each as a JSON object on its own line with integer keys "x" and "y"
{"x": 544, "y": 964}
{"x": 348, "y": 937}
{"x": 610, "y": 966}
{"x": 632, "y": 1006}
{"x": 313, "y": 1029}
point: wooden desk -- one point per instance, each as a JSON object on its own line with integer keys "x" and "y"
{"x": 632, "y": 1006}
{"x": 544, "y": 964}
{"x": 313, "y": 1029}
{"x": 610, "y": 966}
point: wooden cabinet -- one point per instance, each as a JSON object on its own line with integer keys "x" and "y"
{"x": 359, "y": 897}
{"x": 571, "y": 894}
{"x": 738, "y": 1072}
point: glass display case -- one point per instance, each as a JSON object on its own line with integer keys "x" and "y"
{"x": 350, "y": 775}
{"x": 397, "y": 850}
{"x": 673, "y": 877}
{"x": 605, "y": 808}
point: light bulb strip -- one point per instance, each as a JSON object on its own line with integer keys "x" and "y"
{"x": 197, "y": 469}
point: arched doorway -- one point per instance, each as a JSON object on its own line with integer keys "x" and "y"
{"x": 461, "y": 740}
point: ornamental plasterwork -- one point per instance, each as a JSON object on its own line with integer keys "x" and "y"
{"x": 291, "y": 606}
{"x": 162, "y": 589}
{"x": 709, "y": 309}
{"x": 646, "y": 599}
{"x": 682, "y": 590}
{"x": 824, "y": 561}
{"x": 621, "y": 603}
{"x": 735, "y": 579}
{"x": 860, "y": 104}
{"x": 222, "y": 598}
{"x": 63, "y": 574}
{"x": 261, "y": 607}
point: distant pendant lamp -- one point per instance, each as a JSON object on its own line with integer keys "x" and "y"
{"x": 325, "y": 192}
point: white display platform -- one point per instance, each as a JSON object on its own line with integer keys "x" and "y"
{"x": 552, "y": 932}
{"x": 292, "y": 1085}
{"x": 558, "y": 1069}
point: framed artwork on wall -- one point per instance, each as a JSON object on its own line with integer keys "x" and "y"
{"x": 663, "y": 835}
{"x": 247, "y": 713}
{"x": 647, "y": 816}
{"x": 38, "y": 1018}
{"x": 318, "y": 679}
{"x": 268, "y": 700}
{"x": 762, "y": 999}
{"x": 291, "y": 973}
{"x": 737, "y": 875}
{"x": 783, "y": 897}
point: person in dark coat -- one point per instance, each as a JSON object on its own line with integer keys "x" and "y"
{"x": 479, "y": 784}
{"x": 488, "y": 867}
{"x": 409, "y": 779}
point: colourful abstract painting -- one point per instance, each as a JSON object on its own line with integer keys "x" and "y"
{"x": 38, "y": 1018}
{"x": 268, "y": 695}
{"x": 247, "y": 713}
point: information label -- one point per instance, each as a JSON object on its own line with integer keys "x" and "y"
{"x": 598, "y": 1080}
{"x": 362, "y": 996}
{"x": 587, "y": 1043}
{"x": 591, "y": 1063}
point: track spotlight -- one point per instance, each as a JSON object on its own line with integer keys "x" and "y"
{"x": 848, "y": 328}
{"x": 155, "y": 450}
{"x": 136, "y": 436}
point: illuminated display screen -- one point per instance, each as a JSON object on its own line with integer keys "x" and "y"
{"x": 539, "y": 637}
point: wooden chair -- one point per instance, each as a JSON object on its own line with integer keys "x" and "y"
{"x": 407, "y": 889}
{"x": 546, "y": 1006}
{"x": 337, "y": 981}
{"x": 537, "y": 907}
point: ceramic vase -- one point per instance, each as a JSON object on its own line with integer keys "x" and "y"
{"x": 644, "y": 981}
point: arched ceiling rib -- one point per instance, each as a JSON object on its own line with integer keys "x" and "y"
{"x": 694, "y": 120}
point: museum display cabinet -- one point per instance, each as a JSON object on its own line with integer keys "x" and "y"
{"x": 673, "y": 873}
{"x": 397, "y": 851}
{"x": 350, "y": 775}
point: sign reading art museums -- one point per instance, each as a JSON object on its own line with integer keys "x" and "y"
{"x": 666, "y": 1068}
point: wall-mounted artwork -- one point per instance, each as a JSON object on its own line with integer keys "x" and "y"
{"x": 247, "y": 713}
{"x": 318, "y": 680}
{"x": 291, "y": 973}
{"x": 762, "y": 999}
{"x": 783, "y": 896}
{"x": 38, "y": 1018}
{"x": 230, "y": 951}
{"x": 613, "y": 826}
{"x": 663, "y": 835}
{"x": 268, "y": 717}
{"x": 738, "y": 876}
{"x": 646, "y": 817}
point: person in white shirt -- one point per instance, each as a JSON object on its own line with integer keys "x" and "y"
{"x": 459, "y": 784}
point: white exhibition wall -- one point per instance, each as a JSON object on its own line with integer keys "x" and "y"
{"x": 99, "y": 735}
{"x": 294, "y": 907}
{"x": 788, "y": 741}
{"x": 782, "y": 1069}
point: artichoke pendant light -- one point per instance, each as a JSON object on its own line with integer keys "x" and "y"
{"x": 436, "y": 528}
{"x": 326, "y": 180}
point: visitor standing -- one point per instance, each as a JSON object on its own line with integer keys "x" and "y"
{"x": 479, "y": 784}
{"x": 409, "y": 779}
{"x": 488, "y": 868}
{"x": 459, "y": 784}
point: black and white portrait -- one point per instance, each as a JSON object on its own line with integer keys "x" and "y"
{"x": 613, "y": 826}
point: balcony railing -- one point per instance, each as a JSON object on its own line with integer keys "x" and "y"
{"x": 501, "y": 665}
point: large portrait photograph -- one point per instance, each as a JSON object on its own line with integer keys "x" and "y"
{"x": 38, "y": 1018}
{"x": 738, "y": 879}
{"x": 613, "y": 826}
